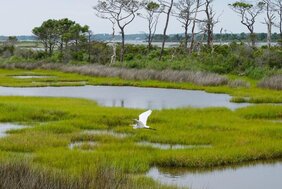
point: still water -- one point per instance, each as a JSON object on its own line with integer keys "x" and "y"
{"x": 4, "y": 127}
{"x": 255, "y": 176}
{"x": 131, "y": 97}
{"x": 171, "y": 146}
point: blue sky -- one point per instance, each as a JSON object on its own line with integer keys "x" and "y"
{"x": 18, "y": 17}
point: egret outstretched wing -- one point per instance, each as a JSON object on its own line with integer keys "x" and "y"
{"x": 144, "y": 116}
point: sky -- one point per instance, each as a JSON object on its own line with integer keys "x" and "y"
{"x": 19, "y": 17}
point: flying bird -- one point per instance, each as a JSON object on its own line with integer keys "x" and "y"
{"x": 142, "y": 122}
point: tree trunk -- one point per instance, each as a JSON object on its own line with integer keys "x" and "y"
{"x": 186, "y": 36}
{"x": 220, "y": 40}
{"x": 50, "y": 50}
{"x": 45, "y": 47}
{"x": 166, "y": 25}
{"x": 210, "y": 36}
{"x": 114, "y": 55}
{"x": 280, "y": 23}
{"x": 209, "y": 24}
{"x": 194, "y": 27}
{"x": 253, "y": 39}
{"x": 150, "y": 38}
{"x": 269, "y": 31}
{"x": 268, "y": 24}
{"x": 89, "y": 47}
{"x": 122, "y": 45}
{"x": 61, "y": 47}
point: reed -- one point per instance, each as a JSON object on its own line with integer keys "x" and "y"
{"x": 199, "y": 78}
{"x": 272, "y": 82}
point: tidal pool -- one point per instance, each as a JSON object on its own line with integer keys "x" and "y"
{"x": 106, "y": 132}
{"x": 4, "y": 127}
{"x": 255, "y": 176}
{"x": 131, "y": 97}
{"x": 82, "y": 145}
{"x": 171, "y": 146}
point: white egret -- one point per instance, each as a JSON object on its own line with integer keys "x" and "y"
{"x": 142, "y": 122}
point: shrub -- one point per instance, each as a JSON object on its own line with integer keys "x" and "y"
{"x": 256, "y": 72}
{"x": 56, "y": 57}
{"x": 272, "y": 82}
{"x": 222, "y": 49}
{"x": 239, "y": 83}
{"x": 100, "y": 52}
{"x": 39, "y": 55}
{"x": 272, "y": 58}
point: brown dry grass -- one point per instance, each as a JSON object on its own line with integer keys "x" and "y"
{"x": 238, "y": 83}
{"x": 273, "y": 82}
{"x": 199, "y": 78}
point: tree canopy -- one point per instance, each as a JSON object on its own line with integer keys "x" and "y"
{"x": 60, "y": 33}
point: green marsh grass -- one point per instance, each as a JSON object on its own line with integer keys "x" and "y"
{"x": 243, "y": 135}
{"x": 234, "y": 136}
{"x": 18, "y": 175}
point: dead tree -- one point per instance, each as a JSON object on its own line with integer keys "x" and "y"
{"x": 113, "y": 43}
{"x": 183, "y": 11}
{"x": 152, "y": 13}
{"x": 123, "y": 12}
{"x": 210, "y": 22}
{"x": 278, "y": 9}
{"x": 248, "y": 13}
{"x": 194, "y": 22}
{"x": 167, "y": 10}
{"x": 90, "y": 34}
{"x": 269, "y": 19}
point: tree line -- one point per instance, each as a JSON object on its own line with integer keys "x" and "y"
{"x": 187, "y": 12}
{"x": 72, "y": 39}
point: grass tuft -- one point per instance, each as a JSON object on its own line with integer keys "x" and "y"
{"x": 238, "y": 83}
{"x": 23, "y": 176}
{"x": 273, "y": 82}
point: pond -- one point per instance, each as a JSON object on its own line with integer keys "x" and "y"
{"x": 254, "y": 176}
{"x": 171, "y": 146}
{"x": 131, "y": 97}
{"x": 4, "y": 127}
{"x": 84, "y": 145}
{"x": 106, "y": 132}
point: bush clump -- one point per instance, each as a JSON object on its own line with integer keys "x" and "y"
{"x": 272, "y": 82}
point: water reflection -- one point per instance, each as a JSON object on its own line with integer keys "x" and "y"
{"x": 131, "y": 97}
{"x": 171, "y": 146}
{"x": 83, "y": 145}
{"x": 106, "y": 132}
{"x": 255, "y": 176}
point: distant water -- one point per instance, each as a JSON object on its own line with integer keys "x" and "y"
{"x": 176, "y": 44}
